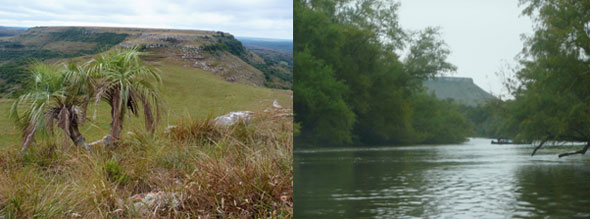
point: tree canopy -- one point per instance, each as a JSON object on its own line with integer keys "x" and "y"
{"x": 552, "y": 101}
{"x": 352, "y": 83}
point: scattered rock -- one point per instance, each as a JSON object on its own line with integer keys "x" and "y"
{"x": 169, "y": 128}
{"x": 275, "y": 104}
{"x": 285, "y": 115}
{"x": 144, "y": 203}
{"x": 233, "y": 117}
{"x": 100, "y": 141}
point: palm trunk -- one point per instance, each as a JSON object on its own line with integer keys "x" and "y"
{"x": 117, "y": 123}
{"x": 115, "y": 132}
{"x": 77, "y": 137}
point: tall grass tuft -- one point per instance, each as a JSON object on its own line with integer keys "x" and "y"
{"x": 197, "y": 169}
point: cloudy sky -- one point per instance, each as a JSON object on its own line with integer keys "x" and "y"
{"x": 484, "y": 35}
{"x": 252, "y": 18}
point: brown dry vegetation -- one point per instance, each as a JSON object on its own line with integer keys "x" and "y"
{"x": 238, "y": 171}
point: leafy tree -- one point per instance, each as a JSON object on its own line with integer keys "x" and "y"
{"x": 124, "y": 82}
{"x": 357, "y": 42}
{"x": 435, "y": 121}
{"x": 491, "y": 119}
{"x": 320, "y": 97}
{"x": 427, "y": 55}
{"x": 57, "y": 96}
{"x": 553, "y": 100}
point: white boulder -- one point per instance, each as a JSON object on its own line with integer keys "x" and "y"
{"x": 233, "y": 117}
{"x": 276, "y": 104}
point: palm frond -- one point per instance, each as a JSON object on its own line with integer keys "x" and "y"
{"x": 56, "y": 90}
{"x": 124, "y": 82}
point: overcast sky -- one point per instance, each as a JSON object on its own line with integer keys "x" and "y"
{"x": 483, "y": 35}
{"x": 252, "y": 18}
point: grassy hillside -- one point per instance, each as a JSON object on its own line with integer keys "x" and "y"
{"x": 215, "y": 52}
{"x": 462, "y": 90}
{"x": 196, "y": 169}
{"x": 187, "y": 92}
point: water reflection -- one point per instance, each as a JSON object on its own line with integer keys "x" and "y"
{"x": 475, "y": 179}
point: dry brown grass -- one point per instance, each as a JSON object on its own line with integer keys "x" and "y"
{"x": 239, "y": 171}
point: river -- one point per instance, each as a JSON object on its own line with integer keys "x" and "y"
{"x": 471, "y": 180}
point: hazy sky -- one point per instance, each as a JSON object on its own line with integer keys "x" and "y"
{"x": 254, "y": 18}
{"x": 483, "y": 35}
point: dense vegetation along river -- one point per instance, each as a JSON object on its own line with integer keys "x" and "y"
{"x": 471, "y": 180}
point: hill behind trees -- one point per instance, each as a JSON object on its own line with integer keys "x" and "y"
{"x": 462, "y": 90}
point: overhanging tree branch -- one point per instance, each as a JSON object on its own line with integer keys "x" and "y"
{"x": 583, "y": 151}
{"x": 539, "y": 146}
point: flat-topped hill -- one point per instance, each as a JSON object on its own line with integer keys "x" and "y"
{"x": 461, "y": 89}
{"x": 213, "y": 51}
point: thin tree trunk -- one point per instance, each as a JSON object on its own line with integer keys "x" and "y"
{"x": 117, "y": 122}
{"x": 115, "y": 132}
{"x": 539, "y": 146}
{"x": 77, "y": 137}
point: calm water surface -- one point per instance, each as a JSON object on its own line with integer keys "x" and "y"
{"x": 471, "y": 180}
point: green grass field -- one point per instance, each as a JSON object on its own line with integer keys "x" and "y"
{"x": 187, "y": 92}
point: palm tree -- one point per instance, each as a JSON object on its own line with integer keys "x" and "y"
{"x": 121, "y": 79}
{"x": 57, "y": 95}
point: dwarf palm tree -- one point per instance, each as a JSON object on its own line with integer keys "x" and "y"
{"x": 57, "y": 95}
{"x": 124, "y": 82}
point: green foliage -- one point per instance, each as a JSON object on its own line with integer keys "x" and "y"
{"x": 428, "y": 55}
{"x": 13, "y": 73}
{"x": 321, "y": 98}
{"x": 436, "y": 121}
{"x": 17, "y": 55}
{"x": 553, "y": 99}
{"x": 348, "y": 47}
{"x": 490, "y": 120}
{"x": 26, "y": 53}
{"x": 56, "y": 97}
{"x": 80, "y": 34}
{"x": 11, "y": 45}
{"x": 122, "y": 80}
{"x": 114, "y": 172}
{"x": 226, "y": 42}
